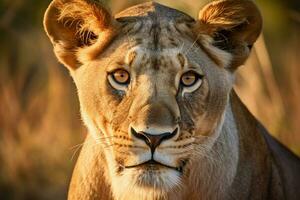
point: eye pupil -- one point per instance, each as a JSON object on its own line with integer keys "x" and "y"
{"x": 189, "y": 78}
{"x": 121, "y": 76}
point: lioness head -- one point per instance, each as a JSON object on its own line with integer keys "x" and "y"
{"x": 153, "y": 83}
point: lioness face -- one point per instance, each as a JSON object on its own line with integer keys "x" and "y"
{"x": 153, "y": 83}
{"x": 150, "y": 99}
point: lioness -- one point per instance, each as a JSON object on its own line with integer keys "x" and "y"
{"x": 155, "y": 90}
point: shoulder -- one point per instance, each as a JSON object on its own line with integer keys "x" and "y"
{"x": 288, "y": 165}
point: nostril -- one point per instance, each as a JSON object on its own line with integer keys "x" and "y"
{"x": 139, "y": 135}
{"x": 153, "y": 140}
{"x": 169, "y": 135}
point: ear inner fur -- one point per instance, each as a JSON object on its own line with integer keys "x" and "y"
{"x": 78, "y": 29}
{"x": 233, "y": 24}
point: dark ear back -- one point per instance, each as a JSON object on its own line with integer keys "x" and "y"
{"x": 78, "y": 30}
{"x": 233, "y": 24}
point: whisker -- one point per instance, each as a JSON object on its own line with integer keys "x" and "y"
{"x": 217, "y": 141}
{"x": 107, "y": 146}
{"x": 186, "y": 52}
{"x": 91, "y": 140}
{"x": 97, "y": 141}
{"x": 205, "y": 153}
{"x": 74, "y": 153}
{"x": 104, "y": 138}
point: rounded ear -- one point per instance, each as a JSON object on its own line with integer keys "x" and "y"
{"x": 78, "y": 30}
{"x": 234, "y": 25}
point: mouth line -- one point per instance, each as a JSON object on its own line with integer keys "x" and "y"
{"x": 153, "y": 163}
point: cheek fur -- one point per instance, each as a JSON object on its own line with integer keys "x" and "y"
{"x": 193, "y": 105}
{"x": 114, "y": 94}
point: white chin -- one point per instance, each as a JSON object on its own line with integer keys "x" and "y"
{"x": 162, "y": 178}
{"x": 145, "y": 184}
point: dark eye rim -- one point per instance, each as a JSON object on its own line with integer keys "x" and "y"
{"x": 111, "y": 74}
{"x": 197, "y": 75}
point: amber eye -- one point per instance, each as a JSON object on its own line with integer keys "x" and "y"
{"x": 121, "y": 76}
{"x": 188, "y": 79}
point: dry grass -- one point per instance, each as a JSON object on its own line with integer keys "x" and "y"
{"x": 274, "y": 101}
{"x": 39, "y": 112}
{"x": 40, "y": 122}
{"x": 36, "y": 140}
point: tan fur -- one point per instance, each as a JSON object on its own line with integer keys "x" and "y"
{"x": 218, "y": 149}
{"x": 239, "y": 18}
{"x": 70, "y": 25}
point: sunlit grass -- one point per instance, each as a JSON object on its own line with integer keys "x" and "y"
{"x": 39, "y": 112}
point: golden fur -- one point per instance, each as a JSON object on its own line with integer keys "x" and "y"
{"x": 73, "y": 25}
{"x": 215, "y": 148}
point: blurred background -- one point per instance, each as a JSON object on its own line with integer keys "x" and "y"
{"x": 40, "y": 126}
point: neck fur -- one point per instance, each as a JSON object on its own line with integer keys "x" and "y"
{"x": 218, "y": 166}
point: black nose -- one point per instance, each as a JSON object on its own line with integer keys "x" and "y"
{"x": 153, "y": 140}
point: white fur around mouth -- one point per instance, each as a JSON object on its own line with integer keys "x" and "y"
{"x": 152, "y": 164}
{"x": 151, "y": 176}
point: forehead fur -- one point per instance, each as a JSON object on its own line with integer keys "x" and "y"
{"x": 157, "y": 27}
{"x": 152, "y": 10}
{"x": 153, "y": 25}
